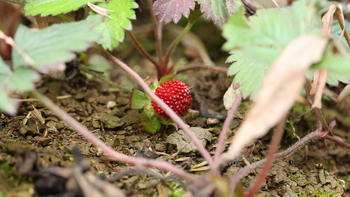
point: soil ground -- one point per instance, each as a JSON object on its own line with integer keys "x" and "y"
{"x": 321, "y": 168}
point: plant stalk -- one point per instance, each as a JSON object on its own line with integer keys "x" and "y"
{"x": 269, "y": 159}
{"x": 142, "y": 50}
{"x": 175, "y": 42}
{"x": 225, "y": 128}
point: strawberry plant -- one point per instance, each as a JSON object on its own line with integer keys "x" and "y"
{"x": 278, "y": 55}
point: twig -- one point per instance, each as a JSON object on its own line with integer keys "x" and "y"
{"x": 269, "y": 159}
{"x": 340, "y": 17}
{"x": 337, "y": 140}
{"x": 164, "y": 107}
{"x": 107, "y": 149}
{"x": 214, "y": 68}
{"x": 142, "y": 50}
{"x": 246, "y": 170}
{"x": 276, "y": 4}
{"x": 225, "y": 128}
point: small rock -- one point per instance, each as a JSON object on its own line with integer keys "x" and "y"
{"x": 322, "y": 176}
{"x": 111, "y": 104}
{"x": 44, "y": 141}
{"x": 184, "y": 144}
{"x": 23, "y": 131}
{"x": 289, "y": 192}
{"x": 96, "y": 124}
{"x": 160, "y": 147}
{"x": 212, "y": 121}
{"x": 111, "y": 121}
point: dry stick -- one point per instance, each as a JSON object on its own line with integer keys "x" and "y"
{"x": 164, "y": 107}
{"x": 246, "y": 170}
{"x": 225, "y": 128}
{"x": 142, "y": 50}
{"x": 107, "y": 149}
{"x": 214, "y": 68}
{"x": 337, "y": 140}
{"x": 340, "y": 17}
{"x": 269, "y": 159}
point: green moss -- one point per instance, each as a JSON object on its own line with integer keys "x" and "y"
{"x": 321, "y": 193}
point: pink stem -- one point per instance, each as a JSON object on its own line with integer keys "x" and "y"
{"x": 164, "y": 107}
{"x": 246, "y": 170}
{"x": 273, "y": 148}
{"x": 225, "y": 128}
{"x": 337, "y": 140}
{"x": 107, "y": 149}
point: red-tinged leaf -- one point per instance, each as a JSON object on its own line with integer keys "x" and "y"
{"x": 217, "y": 10}
{"x": 172, "y": 10}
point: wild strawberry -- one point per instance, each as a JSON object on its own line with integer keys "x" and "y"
{"x": 176, "y": 95}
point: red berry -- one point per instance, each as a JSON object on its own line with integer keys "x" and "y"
{"x": 176, "y": 95}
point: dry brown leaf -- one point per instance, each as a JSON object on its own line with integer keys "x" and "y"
{"x": 320, "y": 77}
{"x": 281, "y": 87}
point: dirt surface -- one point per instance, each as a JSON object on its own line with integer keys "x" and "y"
{"x": 35, "y": 139}
{"x": 320, "y": 170}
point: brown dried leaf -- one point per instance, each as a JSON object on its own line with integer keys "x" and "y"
{"x": 281, "y": 87}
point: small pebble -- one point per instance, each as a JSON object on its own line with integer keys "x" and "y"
{"x": 111, "y": 104}
{"x": 212, "y": 121}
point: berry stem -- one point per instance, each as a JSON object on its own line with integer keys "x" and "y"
{"x": 143, "y": 51}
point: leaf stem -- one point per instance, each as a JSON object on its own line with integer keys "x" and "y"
{"x": 164, "y": 107}
{"x": 269, "y": 159}
{"x": 107, "y": 149}
{"x": 175, "y": 42}
{"x": 246, "y": 170}
{"x": 142, "y": 50}
{"x": 225, "y": 128}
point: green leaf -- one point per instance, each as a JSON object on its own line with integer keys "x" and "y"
{"x": 17, "y": 81}
{"x": 54, "y": 45}
{"x": 256, "y": 43}
{"x": 166, "y": 78}
{"x": 150, "y": 124}
{"x": 97, "y": 64}
{"x": 338, "y": 67}
{"x": 54, "y": 7}
{"x": 218, "y": 10}
{"x": 112, "y": 28}
{"x": 139, "y": 100}
{"x": 22, "y": 79}
{"x": 6, "y": 103}
{"x": 338, "y": 34}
